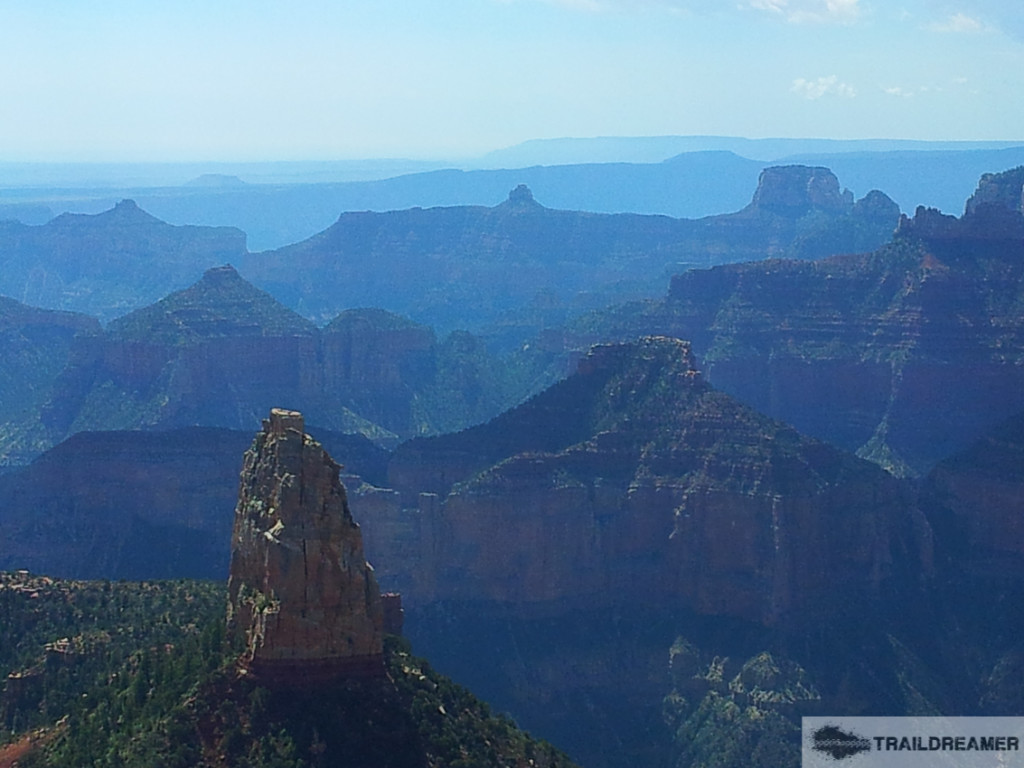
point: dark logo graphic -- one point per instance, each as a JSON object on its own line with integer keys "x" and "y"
{"x": 838, "y": 744}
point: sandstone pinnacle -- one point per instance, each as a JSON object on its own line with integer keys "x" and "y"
{"x": 302, "y": 598}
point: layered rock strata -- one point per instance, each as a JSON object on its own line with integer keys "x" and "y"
{"x": 634, "y": 482}
{"x": 302, "y": 600}
{"x": 473, "y": 267}
{"x": 198, "y": 357}
{"x": 904, "y": 356}
{"x": 549, "y": 558}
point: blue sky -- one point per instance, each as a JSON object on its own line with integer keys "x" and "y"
{"x": 260, "y": 80}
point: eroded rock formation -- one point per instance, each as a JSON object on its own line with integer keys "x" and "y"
{"x": 198, "y": 357}
{"x": 302, "y": 598}
{"x": 904, "y": 356}
{"x": 550, "y": 557}
{"x": 635, "y": 482}
{"x": 798, "y": 189}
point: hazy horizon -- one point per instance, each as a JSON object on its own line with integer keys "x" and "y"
{"x": 258, "y": 81}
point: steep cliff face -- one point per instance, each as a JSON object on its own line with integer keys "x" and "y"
{"x": 796, "y": 190}
{"x": 222, "y": 352}
{"x": 1002, "y": 190}
{"x": 114, "y": 505}
{"x": 473, "y": 267}
{"x": 559, "y": 549}
{"x": 642, "y": 474}
{"x": 302, "y": 597}
{"x": 374, "y": 362}
{"x": 905, "y": 355}
{"x": 973, "y": 500}
{"x": 139, "y": 505}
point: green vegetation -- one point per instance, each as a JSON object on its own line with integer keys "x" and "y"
{"x": 101, "y": 654}
{"x": 725, "y": 714}
{"x": 116, "y": 675}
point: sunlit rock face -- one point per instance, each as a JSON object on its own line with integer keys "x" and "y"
{"x": 302, "y": 598}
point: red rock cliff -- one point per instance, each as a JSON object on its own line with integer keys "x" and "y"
{"x": 649, "y": 488}
{"x": 302, "y": 597}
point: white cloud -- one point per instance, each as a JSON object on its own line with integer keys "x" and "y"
{"x": 958, "y": 22}
{"x": 1001, "y": 16}
{"x": 822, "y": 86}
{"x": 774, "y": 6}
{"x": 810, "y": 11}
{"x": 902, "y": 93}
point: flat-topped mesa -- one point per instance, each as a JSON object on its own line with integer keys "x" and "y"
{"x": 302, "y": 600}
{"x": 794, "y": 190}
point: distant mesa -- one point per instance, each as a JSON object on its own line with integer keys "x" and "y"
{"x": 126, "y": 211}
{"x": 521, "y": 196}
{"x": 929, "y": 327}
{"x": 216, "y": 180}
{"x": 797, "y": 189}
{"x": 303, "y": 601}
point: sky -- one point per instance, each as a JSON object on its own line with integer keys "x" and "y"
{"x": 251, "y": 80}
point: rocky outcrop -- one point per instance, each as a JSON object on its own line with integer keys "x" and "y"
{"x": 993, "y": 214}
{"x": 302, "y": 598}
{"x": 795, "y": 190}
{"x": 634, "y": 482}
{"x": 559, "y": 549}
{"x": 141, "y": 504}
{"x": 905, "y": 355}
{"x": 1003, "y": 190}
{"x": 202, "y": 356}
{"x": 800, "y": 212}
{"x": 475, "y": 267}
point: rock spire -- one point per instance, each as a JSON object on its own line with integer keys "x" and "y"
{"x": 302, "y": 598}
